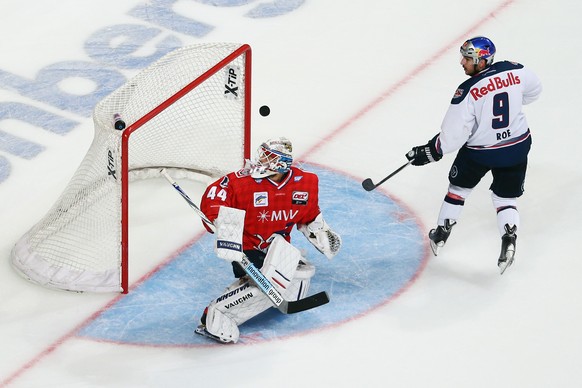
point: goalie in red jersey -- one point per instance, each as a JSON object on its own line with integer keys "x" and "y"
{"x": 259, "y": 205}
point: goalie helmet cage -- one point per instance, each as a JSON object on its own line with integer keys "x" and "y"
{"x": 188, "y": 112}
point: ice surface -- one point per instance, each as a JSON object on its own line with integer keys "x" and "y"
{"x": 354, "y": 85}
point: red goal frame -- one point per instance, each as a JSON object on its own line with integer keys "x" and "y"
{"x": 245, "y": 50}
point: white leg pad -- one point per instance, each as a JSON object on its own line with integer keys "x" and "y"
{"x": 221, "y": 325}
{"x": 281, "y": 263}
{"x": 242, "y": 300}
{"x": 238, "y": 304}
{"x": 300, "y": 284}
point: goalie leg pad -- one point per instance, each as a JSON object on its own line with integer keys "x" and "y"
{"x": 221, "y": 326}
{"x": 240, "y": 302}
{"x": 299, "y": 286}
{"x": 281, "y": 263}
{"x": 289, "y": 272}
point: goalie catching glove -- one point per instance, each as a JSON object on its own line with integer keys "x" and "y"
{"x": 321, "y": 236}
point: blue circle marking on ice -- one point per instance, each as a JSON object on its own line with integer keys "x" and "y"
{"x": 383, "y": 250}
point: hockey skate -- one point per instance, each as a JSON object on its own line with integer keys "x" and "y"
{"x": 507, "y": 254}
{"x": 201, "y": 330}
{"x": 438, "y": 237}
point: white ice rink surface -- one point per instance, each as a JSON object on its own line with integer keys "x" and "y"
{"x": 355, "y": 84}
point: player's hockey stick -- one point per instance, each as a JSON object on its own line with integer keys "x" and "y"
{"x": 368, "y": 185}
{"x": 285, "y": 306}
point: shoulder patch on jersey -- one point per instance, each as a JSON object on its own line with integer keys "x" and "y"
{"x": 507, "y": 65}
{"x": 461, "y": 92}
{"x": 224, "y": 182}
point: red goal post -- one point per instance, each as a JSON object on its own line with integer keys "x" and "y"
{"x": 188, "y": 112}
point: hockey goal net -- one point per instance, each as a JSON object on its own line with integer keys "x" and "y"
{"x": 190, "y": 112}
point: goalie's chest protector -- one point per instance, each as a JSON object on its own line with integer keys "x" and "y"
{"x": 273, "y": 207}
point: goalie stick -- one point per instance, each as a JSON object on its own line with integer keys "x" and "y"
{"x": 285, "y": 306}
{"x": 368, "y": 185}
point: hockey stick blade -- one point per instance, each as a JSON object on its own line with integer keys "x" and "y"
{"x": 368, "y": 185}
{"x": 307, "y": 303}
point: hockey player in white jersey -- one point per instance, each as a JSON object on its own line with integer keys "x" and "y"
{"x": 487, "y": 126}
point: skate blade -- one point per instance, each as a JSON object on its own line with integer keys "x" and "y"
{"x": 435, "y": 247}
{"x": 503, "y": 265}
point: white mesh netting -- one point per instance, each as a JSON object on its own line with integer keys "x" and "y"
{"x": 78, "y": 244}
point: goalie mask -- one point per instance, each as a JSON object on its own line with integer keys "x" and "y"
{"x": 273, "y": 157}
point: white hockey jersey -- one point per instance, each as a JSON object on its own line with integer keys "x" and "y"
{"x": 486, "y": 110}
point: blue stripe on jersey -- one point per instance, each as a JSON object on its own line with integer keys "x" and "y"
{"x": 496, "y": 68}
{"x": 503, "y": 144}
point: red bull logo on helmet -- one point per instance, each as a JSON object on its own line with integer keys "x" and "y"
{"x": 482, "y": 53}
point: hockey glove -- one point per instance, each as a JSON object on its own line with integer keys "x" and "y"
{"x": 425, "y": 154}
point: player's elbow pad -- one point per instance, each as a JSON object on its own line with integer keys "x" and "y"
{"x": 321, "y": 236}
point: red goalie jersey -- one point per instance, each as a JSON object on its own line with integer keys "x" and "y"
{"x": 271, "y": 207}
